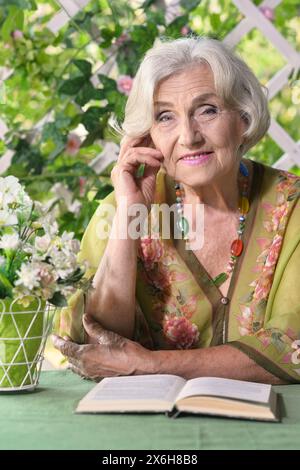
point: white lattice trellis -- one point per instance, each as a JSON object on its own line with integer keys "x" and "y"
{"x": 253, "y": 18}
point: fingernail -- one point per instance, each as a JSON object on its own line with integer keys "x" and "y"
{"x": 86, "y": 318}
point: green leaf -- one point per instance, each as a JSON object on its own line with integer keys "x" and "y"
{"x": 73, "y": 278}
{"x": 174, "y": 28}
{"x": 33, "y": 5}
{"x": 215, "y": 20}
{"x": 103, "y": 192}
{"x": 84, "y": 66}
{"x": 58, "y": 300}
{"x": 157, "y": 17}
{"x": 5, "y": 283}
{"x": 15, "y": 20}
{"x": 91, "y": 137}
{"x": 50, "y": 131}
{"x": 22, "y": 4}
{"x": 72, "y": 86}
{"x": 147, "y": 4}
{"x": 90, "y": 118}
{"x": 108, "y": 83}
{"x": 85, "y": 94}
{"x": 190, "y": 4}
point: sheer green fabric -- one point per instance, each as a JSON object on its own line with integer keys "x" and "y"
{"x": 179, "y": 307}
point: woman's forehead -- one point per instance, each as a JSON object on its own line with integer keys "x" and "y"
{"x": 195, "y": 80}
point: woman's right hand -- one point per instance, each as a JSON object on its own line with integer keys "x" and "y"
{"x": 133, "y": 153}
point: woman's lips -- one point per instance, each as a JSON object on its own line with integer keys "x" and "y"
{"x": 196, "y": 160}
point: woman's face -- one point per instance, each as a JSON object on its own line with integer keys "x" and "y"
{"x": 180, "y": 128}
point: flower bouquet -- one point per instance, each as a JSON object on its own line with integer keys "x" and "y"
{"x": 38, "y": 271}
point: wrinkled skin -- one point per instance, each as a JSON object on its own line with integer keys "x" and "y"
{"x": 110, "y": 354}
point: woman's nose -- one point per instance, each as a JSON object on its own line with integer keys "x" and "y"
{"x": 189, "y": 132}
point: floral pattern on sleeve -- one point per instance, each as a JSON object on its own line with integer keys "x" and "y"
{"x": 172, "y": 310}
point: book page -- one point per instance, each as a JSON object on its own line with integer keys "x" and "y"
{"x": 235, "y": 389}
{"x": 136, "y": 388}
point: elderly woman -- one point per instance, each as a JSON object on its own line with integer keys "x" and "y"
{"x": 228, "y": 306}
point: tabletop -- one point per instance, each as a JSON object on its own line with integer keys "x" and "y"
{"x": 45, "y": 419}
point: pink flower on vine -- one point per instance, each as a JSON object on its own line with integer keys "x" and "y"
{"x": 124, "y": 84}
{"x": 122, "y": 38}
{"x": 180, "y": 332}
{"x": 17, "y": 34}
{"x": 268, "y": 13}
{"x": 185, "y": 30}
{"x": 73, "y": 144}
{"x": 82, "y": 183}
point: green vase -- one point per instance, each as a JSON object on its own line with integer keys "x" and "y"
{"x": 23, "y": 333}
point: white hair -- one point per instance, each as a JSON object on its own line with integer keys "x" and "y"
{"x": 234, "y": 81}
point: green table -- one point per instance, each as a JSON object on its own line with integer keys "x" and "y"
{"x": 45, "y": 419}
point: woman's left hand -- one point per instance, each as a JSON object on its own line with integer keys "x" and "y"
{"x": 111, "y": 355}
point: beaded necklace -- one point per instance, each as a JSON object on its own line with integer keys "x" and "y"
{"x": 237, "y": 245}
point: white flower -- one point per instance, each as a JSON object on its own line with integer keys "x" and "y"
{"x": 46, "y": 274}
{"x": 67, "y": 291}
{"x": 10, "y": 241}
{"x": 42, "y": 243}
{"x": 49, "y": 224}
{"x": 9, "y": 190}
{"x": 48, "y": 257}
{"x": 75, "y": 207}
{"x": 47, "y": 292}
{"x": 12, "y": 192}
{"x": 7, "y": 218}
{"x": 28, "y": 276}
{"x": 69, "y": 243}
{"x": 66, "y": 197}
{"x": 64, "y": 264}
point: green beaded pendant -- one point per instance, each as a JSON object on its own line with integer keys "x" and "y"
{"x": 219, "y": 279}
{"x": 183, "y": 226}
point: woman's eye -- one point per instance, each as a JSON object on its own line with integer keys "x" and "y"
{"x": 163, "y": 118}
{"x": 209, "y": 110}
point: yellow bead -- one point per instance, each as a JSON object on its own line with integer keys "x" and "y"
{"x": 244, "y": 205}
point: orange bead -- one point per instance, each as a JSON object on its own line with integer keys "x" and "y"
{"x": 237, "y": 247}
{"x": 178, "y": 192}
{"x": 244, "y": 205}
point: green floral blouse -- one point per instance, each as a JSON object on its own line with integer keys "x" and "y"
{"x": 178, "y": 306}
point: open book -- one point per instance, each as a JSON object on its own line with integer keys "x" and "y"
{"x": 172, "y": 394}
